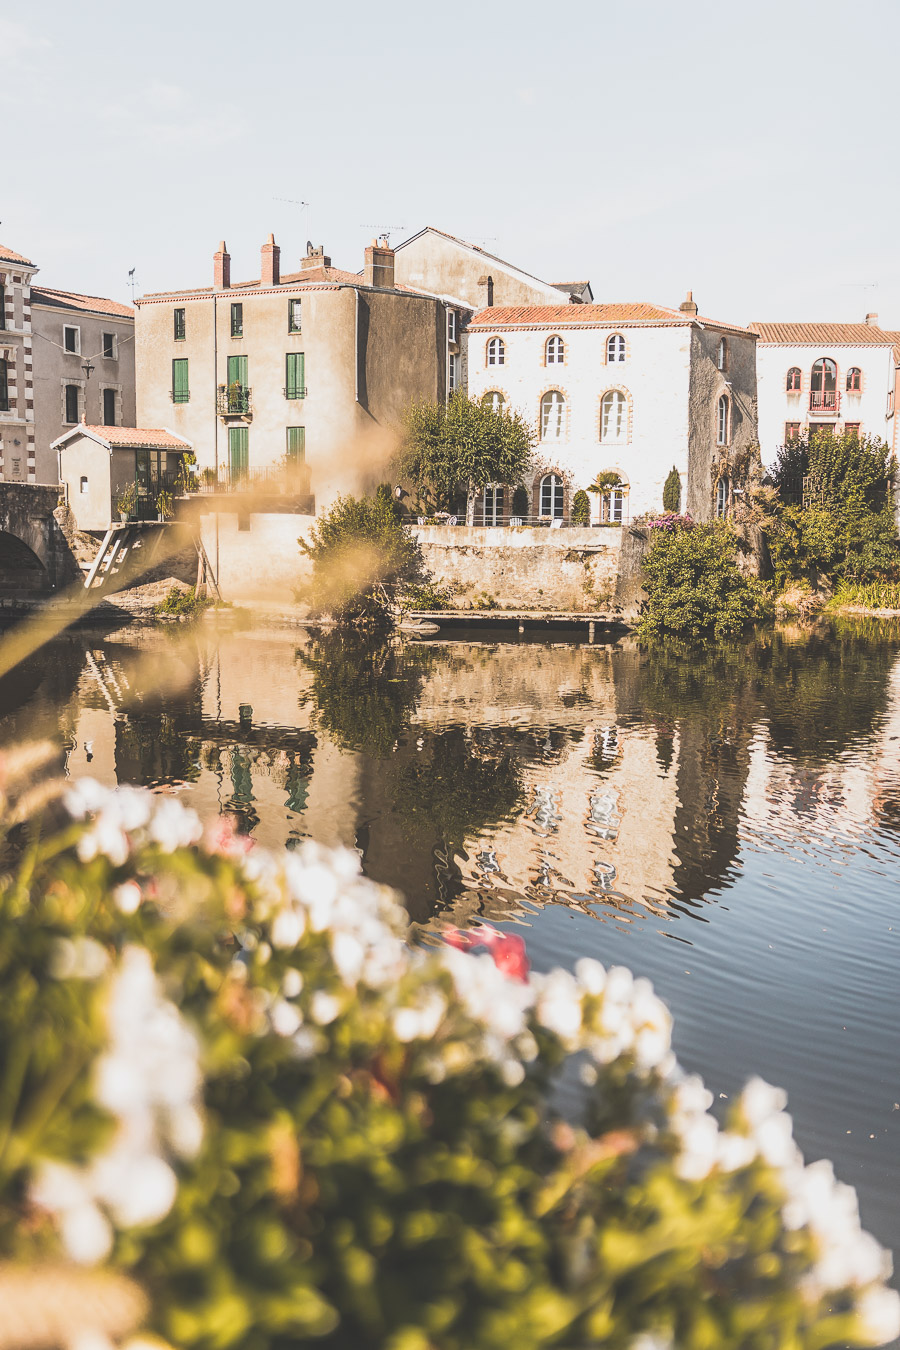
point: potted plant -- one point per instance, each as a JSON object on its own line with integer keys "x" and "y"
{"x": 165, "y": 504}
{"x": 127, "y": 501}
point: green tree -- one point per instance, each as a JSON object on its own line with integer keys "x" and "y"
{"x": 361, "y": 556}
{"x": 581, "y": 508}
{"x": 694, "y": 586}
{"x": 672, "y": 491}
{"x": 463, "y": 444}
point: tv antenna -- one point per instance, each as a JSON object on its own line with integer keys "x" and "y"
{"x": 131, "y": 281}
{"x": 384, "y": 232}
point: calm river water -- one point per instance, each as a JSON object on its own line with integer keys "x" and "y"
{"x": 728, "y": 824}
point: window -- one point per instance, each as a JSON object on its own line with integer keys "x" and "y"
{"x": 71, "y": 402}
{"x": 494, "y": 400}
{"x": 71, "y": 339}
{"x": 237, "y": 320}
{"x": 451, "y": 373}
{"x": 722, "y": 423}
{"x": 451, "y": 325}
{"x": 109, "y": 407}
{"x": 854, "y": 380}
{"x": 791, "y": 431}
{"x": 852, "y": 429}
{"x": 612, "y": 505}
{"x": 109, "y": 346}
{"x": 180, "y": 325}
{"x": 490, "y": 291}
{"x": 722, "y": 354}
{"x": 552, "y": 409}
{"x": 613, "y": 422}
{"x": 551, "y": 497}
{"x": 721, "y": 497}
{"x": 492, "y": 505}
{"x": 4, "y": 385}
{"x": 294, "y": 375}
{"x": 238, "y": 452}
{"x": 83, "y": 485}
{"x": 794, "y": 380}
{"x": 296, "y": 445}
{"x": 615, "y": 348}
{"x": 2, "y": 307}
{"x": 295, "y": 316}
{"x": 496, "y": 352}
{"x": 555, "y": 351}
{"x": 180, "y": 389}
{"x": 823, "y": 383}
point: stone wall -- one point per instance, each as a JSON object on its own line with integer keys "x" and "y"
{"x": 569, "y": 569}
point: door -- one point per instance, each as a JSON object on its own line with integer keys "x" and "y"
{"x": 493, "y": 505}
{"x": 238, "y": 452}
{"x": 237, "y": 383}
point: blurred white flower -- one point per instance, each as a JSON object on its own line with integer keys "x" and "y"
{"x": 879, "y": 1311}
{"x": 128, "y": 897}
{"x": 292, "y": 983}
{"x": 79, "y": 958}
{"x": 759, "y": 1100}
{"x": 284, "y": 1017}
{"x": 324, "y": 1007}
{"x": 86, "y": 1234}
{"x": 288, "y": 928}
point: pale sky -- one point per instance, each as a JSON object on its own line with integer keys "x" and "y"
{"x": 747, "y": 151}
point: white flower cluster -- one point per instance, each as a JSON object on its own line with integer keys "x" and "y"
{"x": 149, "y": 1079}
{"x": 126, "y": 818}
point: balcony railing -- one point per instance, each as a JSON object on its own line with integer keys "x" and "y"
{"x": 233, "y": 400}
{"x": 824, "y": 400}
{"x": 515, "y": 522}
{"x": 274, "y": 480}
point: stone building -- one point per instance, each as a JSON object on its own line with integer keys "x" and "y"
{"x": 52, "y": 343}
{"x": 631, "y": 390}
{"x": 833, "y": 377}
{"x": 97, "y": 464}
{"x": 314, "y": 366}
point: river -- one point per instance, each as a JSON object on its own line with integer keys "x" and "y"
{"x": 726, "y": 823}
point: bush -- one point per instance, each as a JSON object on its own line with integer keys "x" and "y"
{"x": 361, "y": 556}
{"x": 693, "y": 583}
{"x": 181, "y": 604}
{"x": 429, "y": 596}
{"x": 671, "y": 496}
{"x": 226, "y": 1073}
{"x": 581, "y": 508}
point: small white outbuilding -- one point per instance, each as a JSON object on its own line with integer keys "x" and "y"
{"x": 98, "y": 464}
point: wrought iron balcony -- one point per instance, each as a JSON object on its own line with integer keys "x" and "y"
{"x": 824, "y": 400}
{"x": 233, "y": 400}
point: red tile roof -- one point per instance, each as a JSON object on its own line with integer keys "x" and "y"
{"x": 96, "y": 304}
{"x": 593, "y": 316}
{"x": 7, "y": 255}
{"x": 822, "y": 334}
{"x": 311, "y": 276}
{"x": 155, "y": 437}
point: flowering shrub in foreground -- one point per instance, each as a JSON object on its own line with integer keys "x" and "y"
{"x": 224, "y": 1072}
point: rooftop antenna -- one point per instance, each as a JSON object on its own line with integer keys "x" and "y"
{"x": 292, "y": 201}
{"x": 131, "y": 282}
{"x": 384, "y": 233}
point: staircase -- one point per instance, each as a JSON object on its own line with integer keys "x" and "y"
{"x": 126, "y": 547}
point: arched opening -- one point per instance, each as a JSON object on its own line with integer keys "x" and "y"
{"x": 823, "y": 386}
{"x": 722, "y": 498}
{"x": 551, "y": 497}
{"x": 21, "y": 570}
{"x": 552, "y": 416}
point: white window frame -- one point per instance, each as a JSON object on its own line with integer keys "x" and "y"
{"x": 553, "y": 407}
{"x": 612, "y": 506}
{"x": 295, "y": 307}
{"x": 615, "y": 349}
{"x": 451, "y": 325}
{"x": 553, "y": 485}
{"x": 722, "y": 355}
{"x": 722, "y": 420}
{"x": 555, "y": 351}
{"x": 721, "y": 498}
{"x": 72, "y": 328}
{"x": 496, "y": 352}
{"x": 492, "y": 503}
{"x": 83, "y": 485}
{"x": 452, "y": 381}
{"x": 614, "y": 398}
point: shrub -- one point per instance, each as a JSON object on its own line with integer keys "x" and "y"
{"x": 581, "y": 508}
{"x": 178, "y": 604}
{"x": 671, "y": 496}
{"x": 428, "y": 595}
{"x": 694, "y": 586}
{"x": 228, "y": 1074}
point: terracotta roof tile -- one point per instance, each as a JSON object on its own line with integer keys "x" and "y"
{"x": 156, "y": 437}
{"x": 592, "y": 316}
{"x": 7, "y": 255}
{"x": 822, "y": 334}
{"x": 96, "y": 304}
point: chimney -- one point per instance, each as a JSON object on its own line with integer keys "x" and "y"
{"x": 379, "y": 268}
{"x": 872, "y": 320}
{"x": 270, "y": 273}
{"x": 222, "y": 272}
{"x": 687, "y": 305}
{"x": 315, "y": 258}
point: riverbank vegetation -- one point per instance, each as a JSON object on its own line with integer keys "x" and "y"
{"x": 230, "y": 1083}
{"x": 693, "y": 584}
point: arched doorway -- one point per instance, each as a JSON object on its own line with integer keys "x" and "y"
{"x": 823, "y": 386}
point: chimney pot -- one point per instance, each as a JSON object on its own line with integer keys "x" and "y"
{"x": 872, "y": 320}
{"x": 379, "y": 266}
{"x": 270, "y": 263}
{"x": 687, "y": 305}
{"x": 221, "y": 268}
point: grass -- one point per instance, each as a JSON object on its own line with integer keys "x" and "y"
{"x": 868, "y": 594}
{"x": 179, "y": 604}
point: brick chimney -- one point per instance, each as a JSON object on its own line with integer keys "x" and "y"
{"x": 687, "y": 305}
{"x": 222, "y": 272}
{"x": 872, "y": 320}
{"x": 315, "y": 258}
{"x": 270, "y": 264}
{"x": 379, "y": 266}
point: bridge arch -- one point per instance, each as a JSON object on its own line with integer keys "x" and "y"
{"x": 22, "y": 573}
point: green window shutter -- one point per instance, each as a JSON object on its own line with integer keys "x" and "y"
{"x": 296, "y": 444}
{"x": 180, "y": 389}
{"x": 294, "y": 375}
{"x": 238, "y": 451}
{"x": 237, "y": 371}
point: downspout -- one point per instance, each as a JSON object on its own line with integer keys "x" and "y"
{"x": 356, "y": 345}
{"x": 216, "y": 426}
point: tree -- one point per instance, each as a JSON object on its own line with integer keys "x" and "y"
{"x": 581, "y": 508}
{"x": 672, "y": 491}
{"x": 463, "y": 444}
{"x": 361, "y": 557}
{"x": 693, "y": 583}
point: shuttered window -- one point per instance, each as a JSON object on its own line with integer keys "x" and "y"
{"x": 238, "y": 451}
{"x": 180, "y": 390}
{"x": 296, "y": 445}
{"x": 294, "y": 375}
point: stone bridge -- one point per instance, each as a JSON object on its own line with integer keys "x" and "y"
{"x": 36, "y": 556}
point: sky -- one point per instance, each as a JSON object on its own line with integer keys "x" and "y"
{"x": 746, "y": 151}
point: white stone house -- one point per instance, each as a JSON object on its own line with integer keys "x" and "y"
{"x": 833, "y": 377}
{"x": 631, "y": 389}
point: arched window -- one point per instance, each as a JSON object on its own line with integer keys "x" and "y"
{"x": 496, "y": 352}
{"x": 854, "y": 380}
{"x": 556, "y": 351}
{"x": 553, "y": 407}
{"x": 552, "y": 496}
{"x": 492, "y": 505}
{"x": 794, "y": 380}
{"x": 823, "y": 385}
{"x": 721, "y": 497}
{"x": 722, "y": 422}
{"x": 613, "y": 416}
{"x": 615, "y": 348}
{"x": 722, "y": 354}
{"x": 494, "y": 400}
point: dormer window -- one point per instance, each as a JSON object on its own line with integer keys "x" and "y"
{"x": 555, "y": 351}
